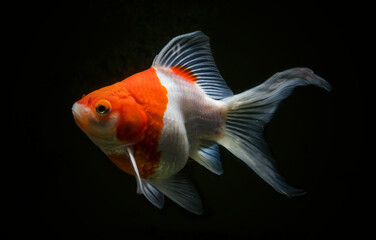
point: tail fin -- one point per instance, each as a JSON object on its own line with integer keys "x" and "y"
{"x": 247, "y": 114}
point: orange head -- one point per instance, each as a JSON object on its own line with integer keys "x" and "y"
{"x": 111, "y": 117}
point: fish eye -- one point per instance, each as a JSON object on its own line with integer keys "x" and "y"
{"x": 103, "y": 107}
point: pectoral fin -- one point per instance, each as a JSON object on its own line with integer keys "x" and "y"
{"x": 144, "y": 187}
{"x": 178, "y": 188}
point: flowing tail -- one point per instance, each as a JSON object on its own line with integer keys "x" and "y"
{"x": 247, "y": 114}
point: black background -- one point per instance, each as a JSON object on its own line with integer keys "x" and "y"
{"x": 60, "y": 184}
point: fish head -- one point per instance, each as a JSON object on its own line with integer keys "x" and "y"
{"x": 110, "y": 117}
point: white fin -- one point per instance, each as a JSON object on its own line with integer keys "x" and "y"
{"x": 192, "y": 52}
{"x": 144, "y": 187}
{"x": 247, "y": 114}
{"x": 180, "y": 190}
{"x": 208, "y": 156}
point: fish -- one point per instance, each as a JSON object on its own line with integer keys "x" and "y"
{"x": 151, "y": 123}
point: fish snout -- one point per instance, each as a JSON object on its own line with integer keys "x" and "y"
{"x": 80, "y": 113}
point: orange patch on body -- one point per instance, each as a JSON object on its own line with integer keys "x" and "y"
{"x": 184, "y": 72}
{"x": 147, "y": 90}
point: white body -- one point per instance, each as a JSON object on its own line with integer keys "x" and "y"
{"x": 191, "y": 117}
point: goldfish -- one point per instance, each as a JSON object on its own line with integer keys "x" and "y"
{"x": 181, "y": 108}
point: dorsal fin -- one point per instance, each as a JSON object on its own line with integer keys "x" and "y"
{"x": 184, "y": 72}
{"x": 189, "y": 56}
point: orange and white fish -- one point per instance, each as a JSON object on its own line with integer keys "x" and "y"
{"x": 150, "y": 123}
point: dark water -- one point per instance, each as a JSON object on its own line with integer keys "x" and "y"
{"x": 62, "y": 186}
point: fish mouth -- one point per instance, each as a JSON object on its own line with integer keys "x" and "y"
{"x": 78, "y": 111}
{"x": 75, "y": 111}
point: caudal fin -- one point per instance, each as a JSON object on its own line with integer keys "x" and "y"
{"x": 247, "y": 114}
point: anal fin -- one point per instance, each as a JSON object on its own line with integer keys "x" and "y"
{"x": 208, "y": 156}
